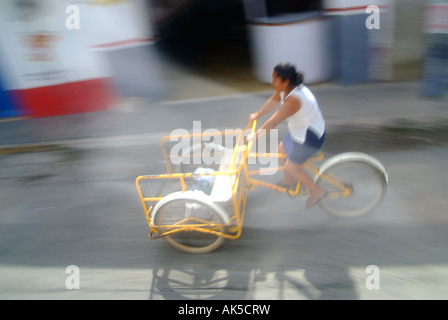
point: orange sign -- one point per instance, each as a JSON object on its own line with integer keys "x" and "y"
{"x": 41, "y": 44}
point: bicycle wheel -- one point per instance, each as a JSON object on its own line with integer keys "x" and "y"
{"x": 189, "y": 208}
{"x": 362, "y": 175}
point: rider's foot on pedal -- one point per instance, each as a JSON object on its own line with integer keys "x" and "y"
{"x": 313, "y": 199}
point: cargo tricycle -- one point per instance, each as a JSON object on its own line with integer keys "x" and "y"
{"x": 201, "y": 200}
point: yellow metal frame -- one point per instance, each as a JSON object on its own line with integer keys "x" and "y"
{"x": 242, "y": 182}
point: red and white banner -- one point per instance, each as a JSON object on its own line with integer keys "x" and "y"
{"x": 346, "y": 7}
{"x": 49, "y": 55}
{"x": 437, "y": 16}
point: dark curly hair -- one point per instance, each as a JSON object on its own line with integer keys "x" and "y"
{"x": 287, "y": 71}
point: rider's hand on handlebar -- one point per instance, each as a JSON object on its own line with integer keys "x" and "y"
{"x": 249, "y": 138}
{"x": 253, "y": 116}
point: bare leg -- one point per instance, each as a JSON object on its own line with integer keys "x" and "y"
{"x": 281, "y": 150}
{"x": 294, "y": 173}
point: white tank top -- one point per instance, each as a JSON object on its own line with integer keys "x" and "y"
{"x": 308, "y": 117}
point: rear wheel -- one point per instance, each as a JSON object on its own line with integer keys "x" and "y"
{"x": 355, "y": 184}
{"x": 190, "y": 209}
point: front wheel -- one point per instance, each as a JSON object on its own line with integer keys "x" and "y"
{"x": 355, "y": 184}
{"x": 193, "y": 221}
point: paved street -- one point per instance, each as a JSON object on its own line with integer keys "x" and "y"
{"x": 74, "y": 202}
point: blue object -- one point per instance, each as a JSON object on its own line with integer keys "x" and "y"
{"x": 435, "y": 70}
{"x": 203, "y": 183}
{"x": 7, "y": 106}
{"x": 349, "y": 43}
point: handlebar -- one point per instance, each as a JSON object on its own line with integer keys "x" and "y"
{"x": 252, "y": 126}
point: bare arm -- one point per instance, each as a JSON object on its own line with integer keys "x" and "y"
{"x": 288, "y": 108}
{"x": 267, "y": 107}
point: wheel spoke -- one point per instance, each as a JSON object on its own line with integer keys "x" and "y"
{"x": 364, "y": 184}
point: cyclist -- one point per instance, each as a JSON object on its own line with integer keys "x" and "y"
{"x": 306, "y": 126}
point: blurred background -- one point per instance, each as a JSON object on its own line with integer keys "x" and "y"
{"x": 88, "y": 88}
{"x": 124, "y": 48}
